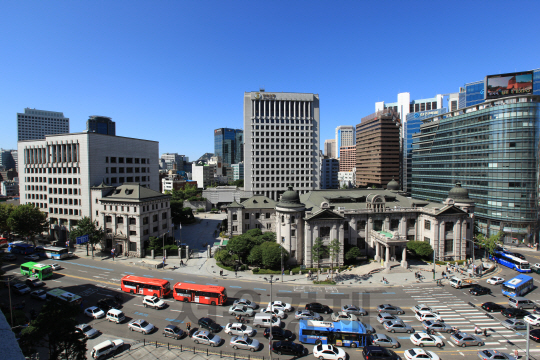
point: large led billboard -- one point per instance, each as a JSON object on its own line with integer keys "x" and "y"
{"x": 502, "y": 85}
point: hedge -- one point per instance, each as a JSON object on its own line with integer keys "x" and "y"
{"x": 324, "y": 282}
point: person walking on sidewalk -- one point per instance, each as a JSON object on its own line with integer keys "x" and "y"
{"x": 181, "y": 262}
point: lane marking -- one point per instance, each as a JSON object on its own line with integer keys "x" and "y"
{"x": 236, "y": 287}
{"x": 259, "y": 289}
{"x": 212, "y": 284}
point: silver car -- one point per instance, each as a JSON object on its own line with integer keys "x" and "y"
{"x": 241, "y": 310}
{"x": 275, "y": 312}
{"x": 86, "y": 330}
{"x": 355, "y": 310}
{"x": 244, "y": 342}
{"x": 307, "y": 315}
{"x": 436, "y": 326}
{"x": 369, "y": 328}
{"x": 463, "y": 339}
{"x": 398, "y": 326}
{"x": 342, "y": 315}
{"x": 141, "y": 326}
{"x": 384, "y": 341}
{"x": 206, "y": 338}
{"x": 514, "y": 324}
{"x": 384, "y": 317}
{"x": 245, "y": 302}
{"x": 391, "y": 309}
{"x": 239, "y": 329}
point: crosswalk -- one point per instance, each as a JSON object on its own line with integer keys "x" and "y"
{"x": 462, "y": 315}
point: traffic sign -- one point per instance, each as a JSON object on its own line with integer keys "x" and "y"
{"x": 82, "y": 239}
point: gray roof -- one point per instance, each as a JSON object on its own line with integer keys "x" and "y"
{"x": 259, "y": 202}
{"x": 133, "y": 192}
{"x": 355, "y": 199}
{"x": 234, "y": 204}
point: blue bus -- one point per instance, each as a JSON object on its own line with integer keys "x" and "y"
{"x": 52, "y": 252}
{"x": 19, "y": 247}
{"x": 518, "y": 286}
{"x": 511, "y": 261}
{"x": 340, "y": 333}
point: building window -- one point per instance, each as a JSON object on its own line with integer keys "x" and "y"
{"x": 411, "y": 223}
{"x": 133, "y": 233}
{"x": 293, "y": 232}
{"x": 108, "y": 219}
{"x": 119, "y": 220}
{"x": 145, "y": 232}
{"x": 155, "y": 229}
{"x": 164, "y": 226}
{"x": 246, "y": 226}
{"x": 164, "y": 216}
{"x": 133, "y": 246}
{"x": 324, "y": 231}
{"x": 246, "y": 216}
{"x": 449, "y": 245}
{"x": 234, "y": 228}
{"x": 378, "y": 225}
{"x": 293, "y": 253}
{"x": 235, "y": 217}
{"x": 394, "y": 224}
{"x": 145, "y": 220}
{"x": 257, "y": 215}
{"x": 268, "y": 225}
{"x": 268, "y": 215}
{"x": 426, "y": 239}
{"x": 154, "y": 218}
{"x": 132, "y": 221}
{"x": 427, "y": 224}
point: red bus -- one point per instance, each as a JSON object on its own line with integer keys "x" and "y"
{"x": 145, "y": 286}
{"x": 202, "y": 294}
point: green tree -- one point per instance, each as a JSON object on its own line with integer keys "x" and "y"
{"x": 255, "y": 255}
{"x": 271, "y": 255}
{"x": 420, "y": 248}
{"x": 5, "y": 212}
{"x": 239, "y": 183}
{"x": 491, "y": 243}
{"x": 224, "y": 257}
{"x": 318, "y": 250}
{"x": 240, "y": 245}
{"x": 28, "y": 221}
{"x": 352, "y": 254}
{"x": 54, "y": 328}
{"x": 334, "y": 249}
{"x": 86, "y": 226}
{"x": 177, "y": 211}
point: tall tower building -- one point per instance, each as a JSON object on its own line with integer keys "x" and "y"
{"x": 101, "y": 125}
{"x": 347, "y": 160}
{"x": 226, "y": 145}
{"x": 330, "y": 148}
{"x": 344, "y": 137}
{"x": 35, "y": 124}
{"x": 281, "y": 142}
{"x": 378, "y": 149}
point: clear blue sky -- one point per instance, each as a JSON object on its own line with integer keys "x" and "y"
{"x": 173, "y": 71}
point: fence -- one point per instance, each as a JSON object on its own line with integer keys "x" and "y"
{"x": 208, "y": 351}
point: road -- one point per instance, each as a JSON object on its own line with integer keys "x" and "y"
{"x": 96, "y": 279}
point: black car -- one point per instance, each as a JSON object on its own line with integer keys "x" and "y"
{"x": 318, "y": 308}
{"x": 209, "y": 324}
{"x": 379, "y": 353}
{"x": 9, "y": 257}
{"x": 519, "y": 256}
{"x": 479, "y": 290}
{"x": 491, "y": 306}
{"x": 288, "y": 348}
{"x": 535, "y": 335}
{"x": 514, "y": 313}
{"x": 108, "y": 303}
{"x": 536, "y": 310}
{"x": 278, "y": 333}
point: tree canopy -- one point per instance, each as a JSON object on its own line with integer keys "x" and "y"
{"x": 242, "y": 245}
{"x": 420, "y": 248}
{"x": 28, "y": 221}
{"x": 5, "y": 212}
{"x": 86, "y": 226}
{"x": 491, "y": 243}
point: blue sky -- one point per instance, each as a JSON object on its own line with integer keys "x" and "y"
{"x": 173, "y": 71}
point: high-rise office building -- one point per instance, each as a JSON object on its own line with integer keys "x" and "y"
{"x": 345, "y": 136}
{"x": 329, "y": 173}
{"x": 56, "y": 173}
{"x": 101, "y": 125}
{"x": 347, "y": 160}
{"x": 330, "y": 148}
{"x": 378, "y": 149}
{"x": 492, "y": 149}
{"x": 173, "y": 161}
{"x": 228, "y": 144}
{"x": 281, "y": 137}
{"x": 35, "y": 124}
{"x": 6, "y": 159}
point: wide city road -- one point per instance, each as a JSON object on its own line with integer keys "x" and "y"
{"x": 94, "y": 280}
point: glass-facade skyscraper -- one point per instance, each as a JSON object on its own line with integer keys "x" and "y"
{"x": 228, "y": 145}
{"x": 101, "y": 125}
{"x": 491, "y": 149}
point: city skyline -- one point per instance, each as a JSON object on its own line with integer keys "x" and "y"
{"x": 155, "y": 71}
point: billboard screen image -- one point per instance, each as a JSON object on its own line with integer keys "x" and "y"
{"x": 502, "y": 85}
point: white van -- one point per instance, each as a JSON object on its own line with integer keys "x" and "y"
{"x": 265, "y": 320}
{"x": 115, "y": 315}
{"x": 107, "y": 347}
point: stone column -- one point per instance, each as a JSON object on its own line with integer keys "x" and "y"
{"x": 435, "y": 237}
{"x": 341, "y": 239}
{"x": 442, "y": 240}
{"x": 377, "y": 251}
{"x": 404, "y": 258}
{"x": 387, "y": 258}
{"x": 457, "y": 239}
{"x": 403, "y": 227}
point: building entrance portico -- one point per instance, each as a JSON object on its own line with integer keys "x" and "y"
{"x": 389, "y": 242}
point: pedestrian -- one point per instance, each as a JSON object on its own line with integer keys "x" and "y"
{"x": 236, "y": 272}
{"x": 516, "y": 353}
{"x": 476, "y": 330}
{"x": 310, "y": 274}
{"x": 220, "y": 272}
{"x": 181, "y": 262}
{"x": 485, "y": 332}
{"x": 188, "y": 326}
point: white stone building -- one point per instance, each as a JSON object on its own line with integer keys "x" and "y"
{"x": 56, "y": 173}
{"x": 347, "y": 179}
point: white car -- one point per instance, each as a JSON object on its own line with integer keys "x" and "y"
{"x": 94, "y": 312}
{"x": 427, "y": 315}
{"x": 532, "y": 319}
{"x": 342, "y": 315}
{"x": 423, "y": 307}
{"x": 285, "y": 307}
{"x": 276, "y": 312}
{"x": 416, "y": 354}
{"x": 56, "y": 266}
{"x": 33, "y": 257}
{"x": 495, "y": 280}
{"x": 329, "y": 352}
{"x": 422, "y": 339}
{"x": 239, "y": 329}
{"x": 153, "y": 302}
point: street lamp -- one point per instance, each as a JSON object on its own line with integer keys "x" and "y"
{"x": 271, "y": 281}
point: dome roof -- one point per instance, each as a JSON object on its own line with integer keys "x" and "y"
{"x": 290, "y": 199}
{"x": 459, "y": 194}
{"x": 392, "y": 185}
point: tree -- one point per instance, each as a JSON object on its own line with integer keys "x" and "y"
{"x": 224, "y": 257}
{"x": 255, "y": 255}
{"x": 352, "y": 254}
{"x": 86, "y": 226}
{"x": 176, "y": 211}
{"x": 240, "y": 245}
{"x": 491, "y": 243}
{"x": 271, "y": 255}
{"x": 334, "y": 249}
{"x": 54, "y": 328}
{"x": 28, "y": 221}
{"x": 5, "y": 212}
{"x": 420, "y": 248}
{"x": 318, "y": 251}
